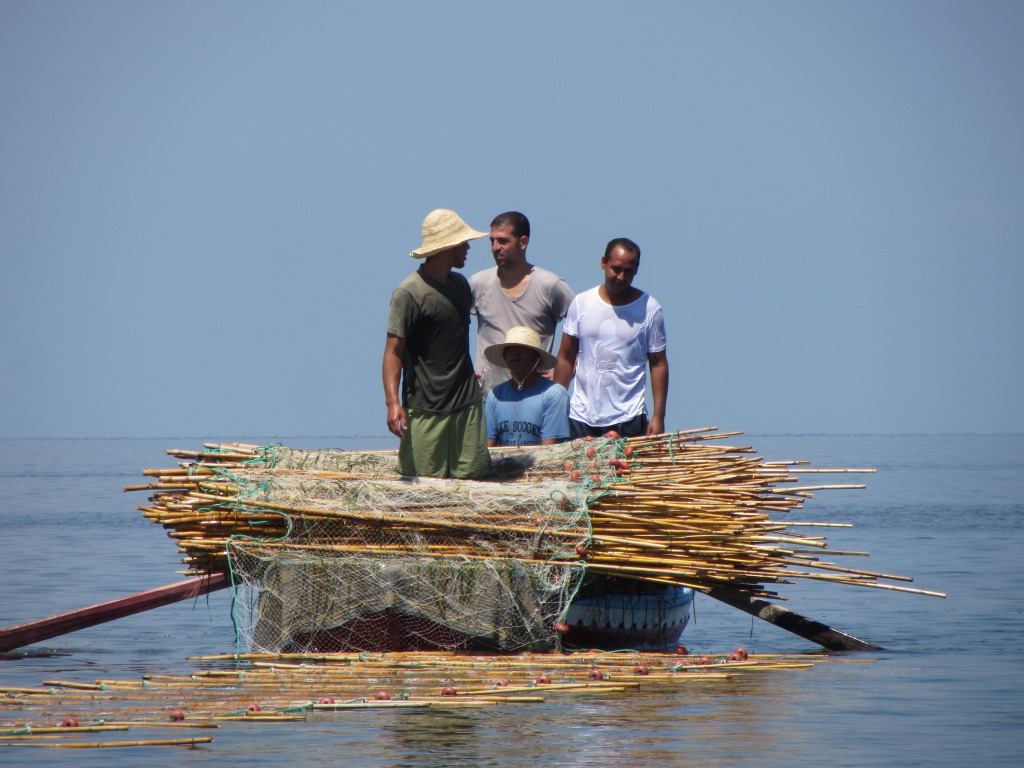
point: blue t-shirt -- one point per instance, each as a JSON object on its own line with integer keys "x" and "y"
{"x": 525, "y": 418}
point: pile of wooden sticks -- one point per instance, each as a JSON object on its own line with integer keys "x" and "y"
{"x": 678, "y": 508}
{"x": 266, "y": 690}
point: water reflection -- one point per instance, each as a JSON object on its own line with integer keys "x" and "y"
{"x": 438, "y": 736}
{"x": 750, "y": 720}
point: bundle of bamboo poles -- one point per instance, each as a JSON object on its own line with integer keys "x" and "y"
{"x": 677, "y": 508}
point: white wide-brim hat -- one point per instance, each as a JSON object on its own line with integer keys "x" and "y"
{"x": 520, "y": 336}
{"x": 443, "y": 229}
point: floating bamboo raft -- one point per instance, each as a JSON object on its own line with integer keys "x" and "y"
{"x": 677, "y": 508}
{"x": 281, "y": 689}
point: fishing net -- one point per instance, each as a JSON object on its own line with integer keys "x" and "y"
{"x": 374, "y": 561}
{"x": 333, "y": 550}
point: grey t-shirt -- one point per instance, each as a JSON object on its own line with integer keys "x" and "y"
{"x": 544, "y": 302}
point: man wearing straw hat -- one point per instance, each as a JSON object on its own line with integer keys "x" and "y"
{"x": 611, "y": 334}
{"x": 439, "y": 413}
{"x": 513, "y": 293}
{"x": 528, "y": 409}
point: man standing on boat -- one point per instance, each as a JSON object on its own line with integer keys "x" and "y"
{"x": 514, "y": 293}
{"x": 611, "y": 334}
{"x": 528, "y": 409}
{"x": 439, "y": 413}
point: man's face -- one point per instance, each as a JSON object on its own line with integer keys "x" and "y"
{"x": 619, "y": 270}
{"x": 506, "y": 247}
{"x": 459, "y": 253}
{"x": 520, "y": 361}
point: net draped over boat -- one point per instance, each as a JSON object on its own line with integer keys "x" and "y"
{"x": 374, "y": 560}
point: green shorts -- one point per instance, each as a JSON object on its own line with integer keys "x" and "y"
{"x": 449, "y": 445}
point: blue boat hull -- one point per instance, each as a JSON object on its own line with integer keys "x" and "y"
{"x": 620, "y": 614}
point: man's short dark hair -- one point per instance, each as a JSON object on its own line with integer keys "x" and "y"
{"x": 625, "y": 243}
{"x": 519, "y": 223}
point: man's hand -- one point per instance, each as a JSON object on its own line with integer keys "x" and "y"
{"x": 397, "y": 421}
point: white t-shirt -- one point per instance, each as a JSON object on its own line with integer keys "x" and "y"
{"x": 611, "y": 368}
{"x": 540, "y": 307}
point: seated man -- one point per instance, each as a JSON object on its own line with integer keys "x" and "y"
{"x": 528, "y": 409}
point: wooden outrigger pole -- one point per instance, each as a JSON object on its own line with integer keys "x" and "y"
{"x": 44, "y": 629}
{"x": 783, "y": 618}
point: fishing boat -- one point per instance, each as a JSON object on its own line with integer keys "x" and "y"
{"x": 334, "y": 547}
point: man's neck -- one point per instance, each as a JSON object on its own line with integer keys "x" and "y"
{"x": 513, "y": 277}
{"x": 529, "y": 381}
{"x": 621, "y": 300}
{"x": 439, "y": 270}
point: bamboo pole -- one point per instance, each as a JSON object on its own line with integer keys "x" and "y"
{"x": 189, "y": 742}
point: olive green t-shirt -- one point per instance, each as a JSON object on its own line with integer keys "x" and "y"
{"x": 437, "y": 371}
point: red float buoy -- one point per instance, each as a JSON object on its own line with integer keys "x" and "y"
{"x": 543, "y": 679}
{"x": 176, "y": 714}
{"x": 69, "y": 722}
{"x": 325, "y": 700}
{"x": 382, "y": 696}
{"x": 448, "y": 691}
{"x": 640, "y": 669}
{"x": 681, "y": 650}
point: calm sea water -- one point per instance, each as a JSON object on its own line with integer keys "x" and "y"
{"x": 947, "y": 691}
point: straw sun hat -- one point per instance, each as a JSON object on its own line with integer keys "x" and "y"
{"x": 443, "y": 229}
{"x": 520, "y": 336}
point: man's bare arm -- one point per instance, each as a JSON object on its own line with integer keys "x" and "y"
{"x": 391, "y": 372}
{"x": 568, "y": 351}
{"x": 659, "y": 391}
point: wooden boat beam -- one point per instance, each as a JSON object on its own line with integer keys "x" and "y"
{"x": 62, "y": 624}
{"x": 809, "y": 629}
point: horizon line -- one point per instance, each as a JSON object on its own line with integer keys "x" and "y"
{"x": 389, "y": 436}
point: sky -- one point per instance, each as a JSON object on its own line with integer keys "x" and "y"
{"x": 205, "y": 206}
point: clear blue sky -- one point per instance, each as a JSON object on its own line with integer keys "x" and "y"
{"x": 206, "y": 205}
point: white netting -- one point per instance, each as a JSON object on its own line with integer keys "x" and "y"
{"x": 375, "y": 561}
